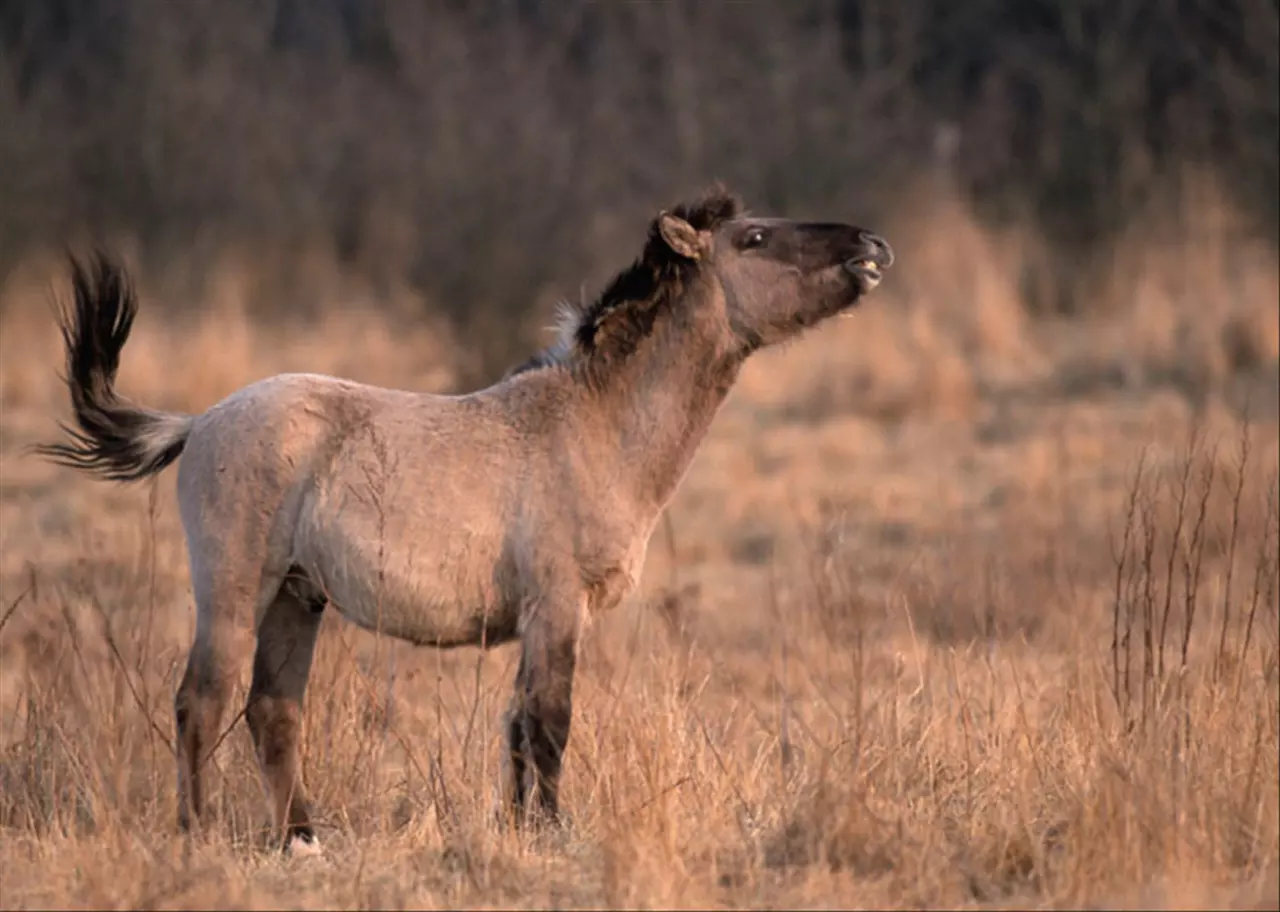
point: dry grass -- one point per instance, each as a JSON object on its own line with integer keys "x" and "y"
{"x": 943, "y": 620}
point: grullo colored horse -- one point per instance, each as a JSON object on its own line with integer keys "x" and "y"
{"x": 513, "y": 510}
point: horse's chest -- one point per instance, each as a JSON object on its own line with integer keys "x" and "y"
{"x": 612, "y": 575}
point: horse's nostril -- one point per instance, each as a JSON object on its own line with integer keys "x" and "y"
{"x": 881, "y": 245}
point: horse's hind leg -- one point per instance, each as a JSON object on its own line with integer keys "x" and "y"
{"x": 281, "y": 666}
{"x": 201, "y": 702}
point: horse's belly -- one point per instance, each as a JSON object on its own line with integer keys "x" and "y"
{"x": 432, "y": 583}
{"x": 430, "y": 618}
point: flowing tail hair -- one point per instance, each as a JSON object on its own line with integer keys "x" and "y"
{"x": 115, "y": 439}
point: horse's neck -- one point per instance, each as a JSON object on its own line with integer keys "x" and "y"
{"x": 663, "y": 404}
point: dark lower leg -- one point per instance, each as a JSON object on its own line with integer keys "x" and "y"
{"x": 539, "y": 739}
{"x": 281, "y": 666}
{"x": 538, "y": 722}
{"x": 275, "y": 725}
{"x": 198, "y": 708}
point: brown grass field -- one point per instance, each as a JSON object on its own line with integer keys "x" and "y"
{"x": 956, "y": 608}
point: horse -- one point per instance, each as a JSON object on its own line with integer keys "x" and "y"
{"x": 512, "y": 512}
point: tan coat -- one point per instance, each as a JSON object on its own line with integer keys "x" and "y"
{"x": 453, "y": 520}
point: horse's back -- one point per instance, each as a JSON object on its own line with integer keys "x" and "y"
{"x": 399, "y": 504}
{"x": 272, "y": 426}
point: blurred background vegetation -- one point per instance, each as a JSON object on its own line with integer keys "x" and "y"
{"x": 876, "y": 656}
{"x": 494, "y": 155}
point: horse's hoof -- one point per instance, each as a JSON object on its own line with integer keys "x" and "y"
{"x": 303, "y": 845}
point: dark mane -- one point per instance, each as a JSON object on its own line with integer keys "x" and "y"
{"x": 610, "y": 328}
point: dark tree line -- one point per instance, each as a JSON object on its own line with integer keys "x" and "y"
{"x": 489, "y": 149}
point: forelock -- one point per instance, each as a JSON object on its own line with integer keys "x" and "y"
{"x": 711, "y": 210}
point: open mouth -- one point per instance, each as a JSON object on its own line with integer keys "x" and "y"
{"x": 868, "y": 270}
{"x": 876, "y": 256}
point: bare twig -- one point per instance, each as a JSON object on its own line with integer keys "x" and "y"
{"x": 1241, "y": 468}
{"x": 27, "y": 590}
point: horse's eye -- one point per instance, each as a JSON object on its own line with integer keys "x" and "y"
{"x": 753, "y": 238}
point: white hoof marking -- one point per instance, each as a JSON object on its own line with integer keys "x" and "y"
{"x": 304, "y": 847}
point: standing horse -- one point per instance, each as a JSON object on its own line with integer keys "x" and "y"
{"x": 515, "y": 509}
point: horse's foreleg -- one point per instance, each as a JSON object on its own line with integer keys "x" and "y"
{"x": 281, "y": 666}
{"x": 542, "y": 706}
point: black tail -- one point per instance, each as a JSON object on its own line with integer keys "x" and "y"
{"x": 115, "y": 439}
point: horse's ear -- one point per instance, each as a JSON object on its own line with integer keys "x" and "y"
{"x": 682, "y": 237}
